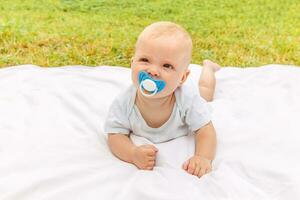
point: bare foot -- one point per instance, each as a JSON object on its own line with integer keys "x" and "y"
{"x": 214, "y": 66}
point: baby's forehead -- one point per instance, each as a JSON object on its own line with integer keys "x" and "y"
{"x": 156, "y": 33}
{"x": 165, "y": 40}
{"x": 170, "y": 42}
{"x": 164, "y": 43}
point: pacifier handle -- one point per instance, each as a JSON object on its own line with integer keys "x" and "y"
{"x": 147, "y": 95}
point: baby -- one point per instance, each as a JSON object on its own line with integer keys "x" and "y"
{"x": 159, "y": 106}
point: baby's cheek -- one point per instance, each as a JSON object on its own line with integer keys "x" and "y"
{"x": 172, "y": 86}
{"x": 135, "y": 83}
{"x": 166, "y": 91}
{"x": 134, "y": 78}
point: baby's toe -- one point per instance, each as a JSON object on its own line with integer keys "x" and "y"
{"x": 214, "y": 66}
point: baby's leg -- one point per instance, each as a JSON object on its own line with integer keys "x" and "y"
{"x": 207, "y": 80}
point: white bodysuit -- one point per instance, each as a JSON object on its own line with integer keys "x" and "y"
{"x": 190, "y": 112}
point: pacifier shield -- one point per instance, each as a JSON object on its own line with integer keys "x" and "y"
{"x": 149, "y": 84}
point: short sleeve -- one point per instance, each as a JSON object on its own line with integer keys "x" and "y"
{"x": 197, "y": 113}
{"x": 117, "y": 119}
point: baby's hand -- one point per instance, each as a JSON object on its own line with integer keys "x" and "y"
{"x": 197, "y": 165}
{"x": 144, "y": 156}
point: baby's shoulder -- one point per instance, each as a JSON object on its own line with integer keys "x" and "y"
{"x": 186, "y": 94}
{"x": 124, "y": 101}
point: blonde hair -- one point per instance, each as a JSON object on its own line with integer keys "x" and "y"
{"x": 169, "y": 29}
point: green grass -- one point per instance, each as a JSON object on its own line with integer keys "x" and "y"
{"x": 103, "y": 32}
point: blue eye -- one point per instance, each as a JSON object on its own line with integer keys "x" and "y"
{"x": 168, "y": 66}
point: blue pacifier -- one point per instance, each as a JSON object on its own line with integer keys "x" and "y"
{"x": 148, "y": 85}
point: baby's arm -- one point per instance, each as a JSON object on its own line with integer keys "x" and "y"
{"x": 141, "y": 156}
{"x": 205, "y": 149}
{"x": 206, "y": 142}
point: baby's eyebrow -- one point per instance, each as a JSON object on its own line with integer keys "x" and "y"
{"x": 142, "y": 56}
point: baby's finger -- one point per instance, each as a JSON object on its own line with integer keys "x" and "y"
{"x": 151, "y": 147}
{"x": 202, "y": 172}
{"x": 191, "y": 168}
{"x": 150, "y": 152}
{"x": 154, "y": 148}
{"x": 197, "y": 170}
{"x": 151, "y": 164}
{"x": 149, "y": 168}
{"x": 208, "y": 170}
{"x": 151, "y": 158}
{"x": 185, "y": 165}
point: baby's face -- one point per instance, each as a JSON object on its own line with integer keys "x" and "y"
{"x": 163, "y": 58}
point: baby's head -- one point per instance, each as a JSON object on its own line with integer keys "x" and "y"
{"x": 164, "y": 51}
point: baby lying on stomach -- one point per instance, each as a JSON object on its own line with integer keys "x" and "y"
{"x": 157, "y": 106}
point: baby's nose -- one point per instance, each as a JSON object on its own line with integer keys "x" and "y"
{"x": 153, "y": 71}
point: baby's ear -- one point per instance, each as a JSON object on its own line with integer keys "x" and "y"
{"x": 184, "y": 77}
{"x": 131, "y": 60}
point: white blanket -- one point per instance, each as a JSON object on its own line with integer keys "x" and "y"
{"x": 52, "y": 145}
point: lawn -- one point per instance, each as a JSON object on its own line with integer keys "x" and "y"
{"x": 103, "y": 32}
